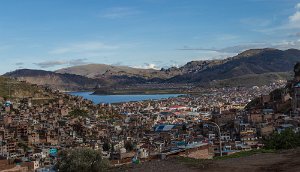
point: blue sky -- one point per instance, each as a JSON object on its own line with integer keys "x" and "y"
{"x": 52, "y": 34}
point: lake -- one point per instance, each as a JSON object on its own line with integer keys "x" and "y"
{"x": 121, "y": 98}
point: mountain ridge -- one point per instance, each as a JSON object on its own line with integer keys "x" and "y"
{"x": 244, "y": 66}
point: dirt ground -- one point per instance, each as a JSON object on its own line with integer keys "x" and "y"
{"x": 284, "y": 161}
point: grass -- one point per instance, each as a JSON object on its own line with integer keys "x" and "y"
{"x": 244, "y": 154}
{"x": 205, "y": 163}
{"x": 196, "y": 163}
{"x": 21, "y": 89}
{"x": 252, "y": 79}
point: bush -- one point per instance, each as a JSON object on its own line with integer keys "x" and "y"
{"x": 287, "y": 139}
{"x": 81, "y": 159}
{"x": 78, "y": 112}
{"x": 106, "y": 146}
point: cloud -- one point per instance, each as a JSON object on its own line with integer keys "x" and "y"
{"x": 286, "y": 44}
{"x": 228, "y": 50}
{"x": 292, "y": 22}
{"x": 147, "y": 66}
{"x": 19, "y": 63}
{"x": 231, "y": 50}
{"x": 294, "y": 19}
{"x": 119, "y": 12}
{"x": 73, "y": 62}
{"x": 118, "y": 64}
{"x": 85, "y": 47}
{"x": 297, "y": 6}
{"x": 48, "y": 64}
{"x": 76, "y": 62}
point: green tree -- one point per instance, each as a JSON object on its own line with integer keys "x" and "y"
{"x": 106, "y": 146}
{"x": 287, "y": 139}
{"x": 128, "y": 146}
{"x": 78, "y": 112}
{"x": 81, "y": 160}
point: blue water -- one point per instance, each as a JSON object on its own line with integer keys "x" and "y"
{"x": 121, "y": 98}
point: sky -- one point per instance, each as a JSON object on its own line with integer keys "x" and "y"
{"x": 54, "y": 34}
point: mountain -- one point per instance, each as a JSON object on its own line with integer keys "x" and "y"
{"x": 66, "y": 82}
{"x": 246, "y": 65}
{"x": 109, "y": 71}
{"x": 250, "y": 62}
{"x": 112, "y": 72}
{"x": 251, "y": 67}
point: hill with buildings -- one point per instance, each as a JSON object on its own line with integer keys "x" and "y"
{"x": 283, "y": 100}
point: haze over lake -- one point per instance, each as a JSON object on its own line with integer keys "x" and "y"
{"x": 121, "y": 98}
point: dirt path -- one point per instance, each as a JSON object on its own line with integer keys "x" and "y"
{"x": 284, "y": 161}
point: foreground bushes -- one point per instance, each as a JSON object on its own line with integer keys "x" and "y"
{"x": 287, "y": 139}
{"x": 81, "y": 159}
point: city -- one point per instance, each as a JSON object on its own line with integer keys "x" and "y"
{"x": 149, "y": 86}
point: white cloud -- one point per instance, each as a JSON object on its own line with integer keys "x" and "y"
{"x": 48, "y": 64}
{"x": 294, "y": 20}
{"x": 118, "y": 12}
{"x": 295, "y": 17}
{"x": 147, "y": 66}
{"x": 85, "y": 47}
{"x": 72, "y": 62}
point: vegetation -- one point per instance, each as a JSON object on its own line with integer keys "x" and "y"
{"x": 78, "y": 112}
{"x": 276, "y": 94}
{"x": 245, "y": 153}
{"x": 106, "y": 146}
{"x": 129, "y": 146}
{"x": 196, "y": 163}
{"x": 252, "y": 79}
{"x": 83, "y": 160}
{"x": 23, "y": 145}
{"x": 253, "y": 103}
{"x": 17, "y": 89}
{"x": 287, "y": 139}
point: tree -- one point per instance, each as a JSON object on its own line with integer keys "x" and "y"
{"x": 287, "y": 139}
{"x": 81, "y": 159}
{"x": 129, "y": 146}
{"x": 184, "y": 128}
{"x": 106, "y": 146}
{"x": 78, "y": 112}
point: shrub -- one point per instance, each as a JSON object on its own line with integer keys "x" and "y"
{"x": 81, "y": 159}
{"x": 287, "y": 139}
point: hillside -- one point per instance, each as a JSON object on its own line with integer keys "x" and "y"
{"x": 250, "y": 62}
{"x": 285, "y": 160}
{"x": 66, "y": 82}
{"x": 19, "y": 89}
{"x": 251, "y": 80}
{"x": 251, "y": 67}
{"x": 246, "y": 67}
{"x": 109, "y": 71}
